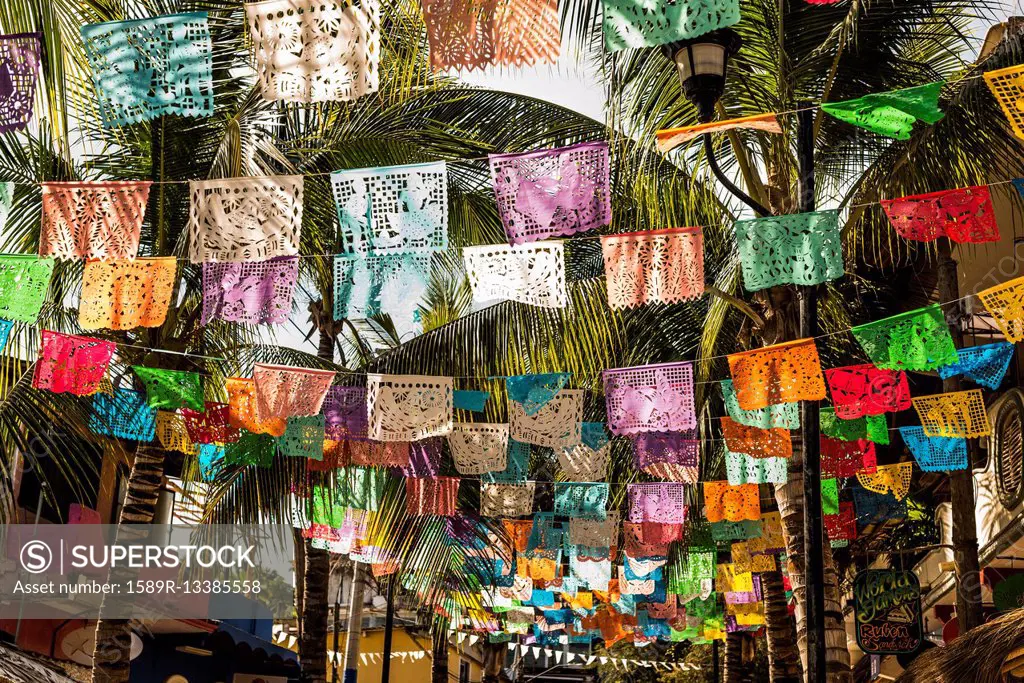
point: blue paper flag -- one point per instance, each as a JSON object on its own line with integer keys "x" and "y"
{"x": 471, "y": 400}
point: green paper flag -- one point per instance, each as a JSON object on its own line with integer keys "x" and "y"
{"x": 917, "y": 340}
{"x": 171, "y": 389}
{"x": 892, "y": 113}
{"x": 303, "y": 437}
{"x": 251, "y": 449}
{"x": 871, "y": 427}
{"x": 829, "y": 497}
{"x": 24, "y": 282}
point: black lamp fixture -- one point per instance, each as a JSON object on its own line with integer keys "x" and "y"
{"x": 702, "y": 63}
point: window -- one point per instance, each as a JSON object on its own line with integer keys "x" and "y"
{"x": 1008, "y": 450}
{"x": 463, "y": 671}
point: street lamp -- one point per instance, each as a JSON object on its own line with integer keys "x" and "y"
{"x": 702, "y": 63}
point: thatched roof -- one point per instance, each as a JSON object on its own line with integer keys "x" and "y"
{"x": 982, "y": 655}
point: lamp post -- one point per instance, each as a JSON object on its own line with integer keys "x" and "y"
{"x": 702, "y": 63}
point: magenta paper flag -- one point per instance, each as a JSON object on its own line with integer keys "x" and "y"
{"x": 662, "y": 502}
{"x": 71, "y": 364}
{"x": 283, "y": 391}
{"x": 650, "y": 398}
{"x": 668, "y": 455}
{"x": 257, "y": 292}
{"x": 19, "y": 64}
{"x": 552, "y": 192}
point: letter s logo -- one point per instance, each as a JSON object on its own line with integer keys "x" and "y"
{"x": 36, "y": 557}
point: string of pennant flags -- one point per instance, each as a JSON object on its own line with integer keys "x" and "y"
{"x": 580, "y": 570}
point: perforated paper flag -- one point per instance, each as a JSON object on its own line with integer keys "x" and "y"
{"x": 1005, "y": 303}
{"x": 379, "y": 454}
{"x": 892, "y": 113}
{"x": 648, "y": 23}
{"x": 408, "y": 407}
{"x": 151, "y": 67}
{"x": 935, "y": 453}
{"x": 303, "y": 438}
{"x": 123, "y": 415}
{"x": 780, "y": 415}
{"x": 917, "y": 340}
{"x": 534, "y": 392}
{"x": 554, "y": 192}
{"x": 283, "y": 391}
{"x": 650, "y": 398}
{"x": 670, "y": 138}
{"x": 517, "y": 465}
{"x": 436, "y": 496}
{"x": 962, "y": 215}
{"x": 123, "y": 295}
{"x": 19, "y": 61}
{"x": 985, "y": 365}
{"x": 755, "y": 442}
{"x": 245, "y": 219}
{"x": 93, "y": 219}
{"x": 959, "y": 413}
{"x": 662, "y": 502}
{"x": 847, "y": 458}
{"x": 71, "y": 364}
{"x": 843, "y": 525}
{"x": 798, "y": 249}
{"x": 657, "y": 266}
{"x": 671, "y": 456}
{"x": 315, "y": 50}
{"x": 479, "y": 447}
{"x": 743, "y": 469}
{"x": 1007, "y": 87}
{"x": 472, "y": 34}
{"x": 242, "y": 409}
{"x": 894, "y": 479}
{"x": 723, "y": 501}
{"x": 393, "y": 209}
{"x": 257, "y": 292}
{"x": 783, "y": 373}
{"x": 345, "y": 412}
{"x": 587, "y": 500}
{"x": 556, "y": 425}
{"x": 506, "y": 500}
{"x": 172, "y": 434}
{"x": 394, "y": 285}
{"x": 211, "y": 425}
{"x": 170, "y": 389}
{"x": 532, "y": 274}
{"x": 24, "y": 282}
{"x": 5, "y": 332}
{"x": 874, "y": 428}
{"x": 859, "y": 390}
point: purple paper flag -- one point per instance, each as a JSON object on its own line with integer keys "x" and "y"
{"x": 252, "y": 292}
{"x": 662, "y": 502}
{"x": 669, "y": 448}
{"x": 19, "y": 71}
{"x": 650, "y": 398}
{"x": 345, "y": 414}
{"x": 552, "y": 192}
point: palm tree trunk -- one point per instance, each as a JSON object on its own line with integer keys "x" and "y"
{"x": 783, "y": 654}
{"x": 313, "y": 636}
{"x": 439, "y": 657}
{"x": 734, "y": 669}
{"x": 790, "y": 498}
{"x": 112, "y": 652}
{"x": 315, "y": 576}
{"x": 355, "y": 622}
